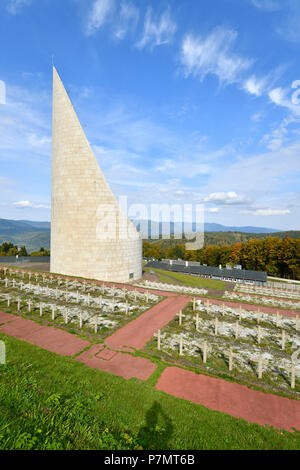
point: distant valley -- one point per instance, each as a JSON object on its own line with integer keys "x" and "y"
{"x": 35, "y": 235}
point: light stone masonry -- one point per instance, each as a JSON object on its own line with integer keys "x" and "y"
{"x": 90, "y": 236}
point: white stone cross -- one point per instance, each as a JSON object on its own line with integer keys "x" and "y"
{"x": 204, "y": 349}
{"x": 180, "y": 317}
{"x": 283, "y": 340}
{"x": 261, "y": 363}
{"x": 223, "y": 309}
{"x": 216, "y": 326}
{"x": 181, "y": 346}
{"x": 158, "y": 340}
{"x": 230, "y": 354}
{"x": 237, "y": 327}
{"x": 277, "y": 319}
{"x": 258, "y": 316}
{"x": 259, "y": 334}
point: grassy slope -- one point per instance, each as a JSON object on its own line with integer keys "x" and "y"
{"x": 52, "y": 402}
{"x": 165, "y": 276}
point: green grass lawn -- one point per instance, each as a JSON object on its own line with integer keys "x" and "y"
{"x": 53, "y": 402}
{"x": 188, "y": 280}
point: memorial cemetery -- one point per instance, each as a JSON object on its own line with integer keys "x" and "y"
{"x": 73, "y": 304}
{"x": 244, "y": 343}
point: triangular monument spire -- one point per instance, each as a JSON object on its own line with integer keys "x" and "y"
{"x": 90, "y": 235}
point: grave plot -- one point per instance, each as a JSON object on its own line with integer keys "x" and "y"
{"x": 247, "y": 289}
{"x": 173, "y": 288}
{"x": 81, "y": 306}
{"x": 253, "y": 347}
{"x": 255, "y": 299}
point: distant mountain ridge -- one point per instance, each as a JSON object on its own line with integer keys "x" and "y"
{"x": 35, "y": 235}
{"x": 176, "y": 227}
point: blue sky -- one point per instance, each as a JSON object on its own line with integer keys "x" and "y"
{"x": 183, "y": 101}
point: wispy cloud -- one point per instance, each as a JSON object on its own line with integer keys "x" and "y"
{"x": 267, "y": 212}
{"x": 227, "y": 198}
{"x": 284, "y": 97}
{"x": 25, "y": 128}
{"x": 268, "y": 5}
{"x": 287, "y": 24}
{"x": 213, "y": 55}
{"x": 29, "y": 205}
{"x": 98, "y": 15}
{"x": 15, "y": 6}
{"x": 128, "y": 19}
{"x": 255, "y": 86}
{"x": 157, "y": 31}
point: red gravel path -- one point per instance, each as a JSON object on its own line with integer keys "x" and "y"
{"x": 47, "y": 337}
{"x": 117, "y": 363}
{"x": 136, "y": 333}
{"x": 231, "y": 398}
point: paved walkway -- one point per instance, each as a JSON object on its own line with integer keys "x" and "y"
{"x": 117, "y": 363}
{"x": 138, "y": 332}
{"x": 231, "y": 398}
{"x": 217, "y": 394}
{"x": 47, "y": 337}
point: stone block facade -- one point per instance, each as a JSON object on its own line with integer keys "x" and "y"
{"x": 90, "y": 235}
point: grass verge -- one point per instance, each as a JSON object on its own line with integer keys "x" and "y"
{"x": 52, "y": 402}
{"x": 167, "y": 276}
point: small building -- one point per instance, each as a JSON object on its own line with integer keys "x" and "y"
{"x": 228, "y": 274}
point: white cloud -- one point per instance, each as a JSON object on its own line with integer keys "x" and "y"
{"x": 277, "y": 138}
{"x": 256, "y": 117}
{"x": 283, "y": 97}
{"x": 157, "y": 31}
{"x": 226, "y": 198}
{"x": 277, "y": 96}
{"x": 255, "y": 86}
{"x": 129, "y": 16}
{"x": 14, "y": 6}
{"x": 28, "y": 204}
{"x": 25, "y": 129}
{"x": 98, "y": 15}
{"x": 268, "y": 5}
{"x": 267, "y": 212}
{"x": 39, "y": 142}
{"x": 213, "y": 210}
{"x": 179, "y": 192}
{"x": 213, "y": 55}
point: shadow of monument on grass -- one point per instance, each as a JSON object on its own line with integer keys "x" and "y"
{"x": 157, "y": 431}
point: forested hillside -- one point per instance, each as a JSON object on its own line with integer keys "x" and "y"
{"x": 279, "y": 257}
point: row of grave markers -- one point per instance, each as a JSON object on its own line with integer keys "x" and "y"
{"x": 66, "y": 293}
{"x": 284, "y": 336}
{"x": 99, "y": 301}
{"x": 204, "y": 346}
{"x": 258, "y": 313}
{"x": 60, "y": 280}
{"x": 31, "y": 305}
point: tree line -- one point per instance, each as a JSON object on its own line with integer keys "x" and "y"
{"x": 9, "y": 249}
{"x": 278, "y": 257}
